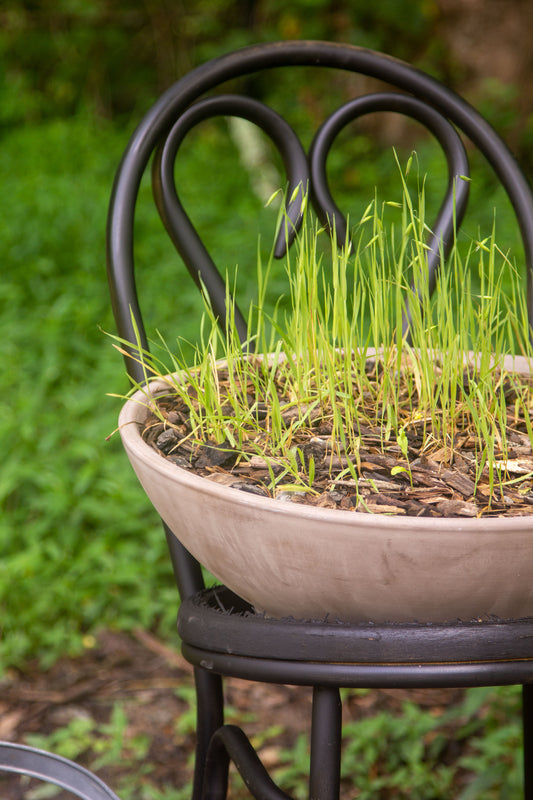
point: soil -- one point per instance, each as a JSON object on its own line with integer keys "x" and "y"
{"x": 404, "y": 478}
{"x": 153, "y": 684}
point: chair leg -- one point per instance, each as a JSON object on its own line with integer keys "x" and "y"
{"x": 209, "y": 718}
{"x": 527, "y": 722}
{"x": 187, "y": 571}
{"x": 326, "y": 735}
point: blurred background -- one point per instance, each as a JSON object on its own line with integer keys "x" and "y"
{"x": 113, "y": 57}
{"x": 80, "y": 547}
{"x": 76, "y": 77}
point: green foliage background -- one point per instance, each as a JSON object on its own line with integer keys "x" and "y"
{"x": 80, "y": 546}
{"x": 59, "y": 55}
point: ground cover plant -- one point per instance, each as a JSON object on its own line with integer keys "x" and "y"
{"x": 338, "y": 403}
{"x": 75, "y": 535}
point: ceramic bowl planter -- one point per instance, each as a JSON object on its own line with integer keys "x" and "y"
{"x": 295, "y": 560}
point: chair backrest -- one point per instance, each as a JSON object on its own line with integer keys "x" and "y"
{"x": 185, "y": 104}
{"x": 164, "y": 126}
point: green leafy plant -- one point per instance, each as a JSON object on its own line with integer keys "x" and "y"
{"x": 413, "y": 753}
{"x": 100, "y": 745}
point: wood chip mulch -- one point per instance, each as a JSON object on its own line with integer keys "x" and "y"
{"x": 441, "y": 484}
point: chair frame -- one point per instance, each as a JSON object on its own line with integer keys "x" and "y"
{"x": 32, "y": 762}
{"x": 221, "y": 635}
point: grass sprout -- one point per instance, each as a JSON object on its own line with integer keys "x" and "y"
{"x": 335, "y": 369}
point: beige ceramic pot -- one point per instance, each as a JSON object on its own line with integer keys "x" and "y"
{"x": 294, "y": 560}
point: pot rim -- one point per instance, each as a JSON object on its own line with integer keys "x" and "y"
{"x": 133, "y": 413}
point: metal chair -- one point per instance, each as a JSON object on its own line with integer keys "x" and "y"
{"x": 221, "y": 635}
{"x": 34, "y": 763}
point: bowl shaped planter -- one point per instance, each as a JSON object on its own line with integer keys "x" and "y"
{"x": 295, "y": 560}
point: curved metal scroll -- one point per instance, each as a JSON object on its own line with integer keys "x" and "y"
{"x": 190, "y": 246}
{"x": 179, "y": 227}
{"x": 455, "y": 200}
{"x": 230, "y": 743}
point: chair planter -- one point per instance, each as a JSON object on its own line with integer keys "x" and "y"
{"x": 350, "y": 599}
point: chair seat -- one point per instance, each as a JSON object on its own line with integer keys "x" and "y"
{"x": 222, "y": 632}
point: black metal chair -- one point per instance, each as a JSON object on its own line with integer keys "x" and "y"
{"x": 49, "y": 768}
{"x": 221, "y": 635}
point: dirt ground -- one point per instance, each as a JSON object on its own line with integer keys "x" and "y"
{"x": 124, "y": 709}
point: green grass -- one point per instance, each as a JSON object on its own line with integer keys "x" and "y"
{"x": 72, "y": 525}
{"x": 311, "y": 362}
{"x": 56, "y": 484}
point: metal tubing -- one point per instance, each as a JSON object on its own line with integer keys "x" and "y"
{"x": 361, "y": 676}
{"x": 216, "y": 770}
{"x": 527, "y": 723}
{"x": 22, "y": 760}
{"x": 187, "y": 571}
{"x": 176, "y": 221}
{"x": 454, "y": 204}
{"x": 219, "y": 621}
{"x": 232, "y": 743}
{"x": 452, "y": 208}
{"x": 326, "y": 736}
{"x": 209, "y": 718}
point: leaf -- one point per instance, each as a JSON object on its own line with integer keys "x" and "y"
{"x": 396, "y": 470}
{"x": 293, "y": 487}
{"x": 402, "y": 441}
